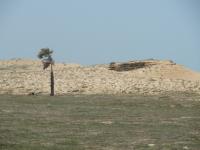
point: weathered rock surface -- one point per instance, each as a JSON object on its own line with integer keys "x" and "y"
{"x": 26, "y": 76}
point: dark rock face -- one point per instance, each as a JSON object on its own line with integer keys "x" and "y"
{"x": 131, "y": 65}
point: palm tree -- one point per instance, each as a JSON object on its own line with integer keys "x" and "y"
{"x": 45, "y": 55}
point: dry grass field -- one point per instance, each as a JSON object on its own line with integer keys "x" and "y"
{"x": 100, "y": 122}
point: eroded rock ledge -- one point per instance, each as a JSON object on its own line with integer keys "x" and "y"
{"x": 142, "y": 77}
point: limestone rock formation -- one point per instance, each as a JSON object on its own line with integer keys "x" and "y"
{"x": 135, "y": 77}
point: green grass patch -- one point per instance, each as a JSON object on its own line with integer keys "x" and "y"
{"x": 100, "y": 122}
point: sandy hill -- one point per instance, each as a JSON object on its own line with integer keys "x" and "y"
{"x": 141, "y": 77}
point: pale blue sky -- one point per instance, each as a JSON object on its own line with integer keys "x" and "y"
{"x": 101, "y": 31}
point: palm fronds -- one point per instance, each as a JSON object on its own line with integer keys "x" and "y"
{"x": 45, "y": 55}
{"x": 44, "y": 52}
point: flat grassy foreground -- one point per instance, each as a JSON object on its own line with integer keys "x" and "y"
{"x": 165, "y": 122}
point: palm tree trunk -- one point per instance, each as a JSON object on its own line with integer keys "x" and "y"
{"x": 52, "y": 82}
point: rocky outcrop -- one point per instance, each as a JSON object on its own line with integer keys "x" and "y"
{"x": 141, "y": 77}
{"x": 131, "y": 65}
